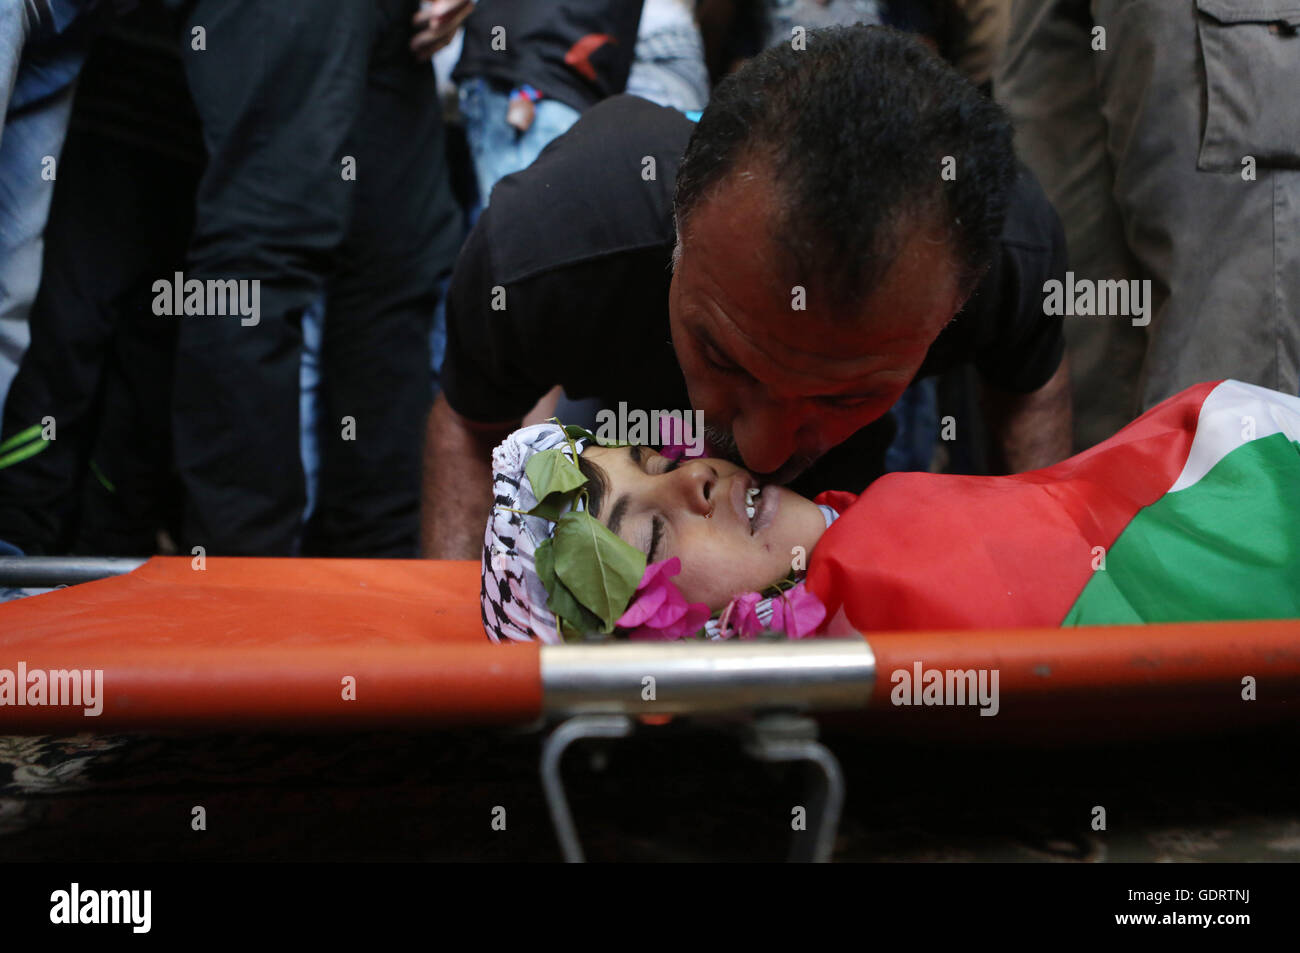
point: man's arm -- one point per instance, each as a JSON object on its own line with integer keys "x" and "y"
{"x": 1028, "y": 428}
{"x": 1030, "y": 431}
{"x": 457, "y": 489}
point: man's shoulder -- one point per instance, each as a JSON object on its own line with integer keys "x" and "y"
{"x": 1002, "y": 327}
{"x": 1031, "y": 221}
{"x": 1031, "y": 248}
{"x": 637, "y": 119}
{"x": 604, "y": 186}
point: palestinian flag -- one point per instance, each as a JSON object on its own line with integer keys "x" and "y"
{"x": 1190, "y": 513}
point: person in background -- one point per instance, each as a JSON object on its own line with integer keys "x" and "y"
{"x": 781, "y": 17}
{"x": 527, "y": 70}
{"x": 42, "y": 48}
{"x": 1166, "y": 136}
{"x": 669, "y": 67}
{"x": 980, "y": 47}
{"x": 326, "y": 177}
{"x": 98, "y": 368}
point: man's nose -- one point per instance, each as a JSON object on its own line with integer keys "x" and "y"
{"x": 767, "y": 435}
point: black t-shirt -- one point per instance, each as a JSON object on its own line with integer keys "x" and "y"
{"x": 578, "y": 51}
{"x": 580, "y": 243}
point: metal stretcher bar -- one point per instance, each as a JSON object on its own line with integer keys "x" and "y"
{"x": 701, "y": 677}
{"x": 46, "y": 572}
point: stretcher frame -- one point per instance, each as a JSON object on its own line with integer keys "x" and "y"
{"x": 768, "y": 688}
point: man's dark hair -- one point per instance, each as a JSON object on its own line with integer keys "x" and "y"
{"x": 854, "y": 130}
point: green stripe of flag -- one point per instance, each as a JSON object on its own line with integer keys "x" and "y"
{"x": 21, "y": 437}
{"x": 22, "y": 453}
{"x": 1226, "y": 547}
{"x": 104, "y": 481}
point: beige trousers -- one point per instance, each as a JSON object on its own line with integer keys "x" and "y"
{"x": 1167, "y": 134}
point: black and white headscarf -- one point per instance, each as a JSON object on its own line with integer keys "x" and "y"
{"x": 513, "y": 597}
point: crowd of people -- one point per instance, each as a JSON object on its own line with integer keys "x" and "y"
{"x": 276, "y": 278}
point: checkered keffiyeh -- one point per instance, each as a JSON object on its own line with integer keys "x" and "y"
{"x": 513, "y": 597}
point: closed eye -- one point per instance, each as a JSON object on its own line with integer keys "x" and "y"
{"x": 714, "y": 357}
{"x": 643, "y": 460}
{"x": 656, "y": 538}
{"x": 658, "y": 525}
{"x": 719, "y": 363}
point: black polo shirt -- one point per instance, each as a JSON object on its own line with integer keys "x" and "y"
{"x": 575, "y": 253}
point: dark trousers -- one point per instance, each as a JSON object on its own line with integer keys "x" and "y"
{"x": 99, "y": 366}
{"x": 286, "y": 93}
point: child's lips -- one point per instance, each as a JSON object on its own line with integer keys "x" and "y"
{"x": 740, "y": 484}
{"x": 765, "y": 512}
{"x": 764, "y": 507}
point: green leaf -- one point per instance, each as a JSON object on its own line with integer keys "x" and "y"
{"x": 551, "y": 507}
{"x": 596, "y": 566}
{"x": 575, "y": 619}
{"x": 574, "y": 432}
{"x": 544, "y": 562}
{"x": 554, "y": 479}
{"x": 571, "y": 634}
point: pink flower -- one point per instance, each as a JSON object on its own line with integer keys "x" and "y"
{"x": 797, "y": 613}
{"x": 739, "y": 618}
{"x": 657, "y": 573}
{"x": 651, "y": 593}
{"x": 673, "y": 608}
{"x": 690, "y": 622}
{"x": 658, "y": 609}
{"x": 672, "y": 436}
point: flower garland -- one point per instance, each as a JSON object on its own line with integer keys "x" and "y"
{"x": 659, "y": 611}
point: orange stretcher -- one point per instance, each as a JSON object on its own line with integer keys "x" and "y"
{"x": 353, "y": 644}
{"x": 265, "y": 642}
{"x": 269, "y": 642}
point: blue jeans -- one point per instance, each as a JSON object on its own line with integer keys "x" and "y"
{"x": 313, "y": 323}
{"x": 497, "y": 147}
{"x": 39, "y": 64}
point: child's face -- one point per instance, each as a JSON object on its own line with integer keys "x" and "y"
{"x": 662, "y": 508}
